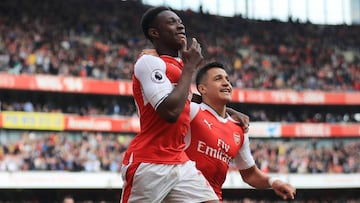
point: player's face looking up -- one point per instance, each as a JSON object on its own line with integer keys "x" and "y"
{"x": 168, "y": 30}
{"x": 216, "y": 86}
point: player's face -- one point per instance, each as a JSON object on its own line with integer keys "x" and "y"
{"x": 218, "y": 85}
{"x": 171, "y": 29}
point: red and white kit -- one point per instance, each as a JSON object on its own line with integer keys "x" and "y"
{"x": 215, "y": 141}
{"x": 155, "y": 166}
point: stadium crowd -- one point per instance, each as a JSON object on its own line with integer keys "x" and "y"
{"x": 94, "y": 105}
{"x": 84, "y": 105}
{"x": 65, "y": 151}
{"x": 101, "y": 39}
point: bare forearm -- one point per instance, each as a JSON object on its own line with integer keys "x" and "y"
{"x": 173, "y": 105}
{"x": 256, "y": 178}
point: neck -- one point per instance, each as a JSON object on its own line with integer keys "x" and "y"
{"x": 220, "y": 109}
{"x": 163, "y": 50}
{"x": 169, "y": 53}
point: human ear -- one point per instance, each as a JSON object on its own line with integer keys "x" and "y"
{"x": 153, "y": 33}
{"x": 202, "y": 89}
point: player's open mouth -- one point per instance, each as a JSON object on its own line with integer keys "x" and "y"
{"x": 226, "y": 90}
{"x": 181, "y": 34}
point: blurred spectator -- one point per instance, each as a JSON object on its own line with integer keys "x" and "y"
{"x": 103, "y": 152}
{"x": 87, "y": 105}
{"x": 99, "y": 40}
{"x": 68, "y": 199}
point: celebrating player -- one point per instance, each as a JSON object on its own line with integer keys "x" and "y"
{"x": 215, "y": 139}
{"x": 155, "y": 165}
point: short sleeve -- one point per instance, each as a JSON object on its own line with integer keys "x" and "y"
{"x": 151, "y": 73}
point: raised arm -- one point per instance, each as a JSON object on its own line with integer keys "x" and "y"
{"x": 172, "y": 106}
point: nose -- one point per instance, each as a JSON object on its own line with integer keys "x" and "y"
{"x": 226, "y": 83}
{"x": 180, "y": 26}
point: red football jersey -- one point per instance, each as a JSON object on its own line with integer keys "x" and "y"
{"x": 158, "y": 141}
{"x": 212, "y": 143}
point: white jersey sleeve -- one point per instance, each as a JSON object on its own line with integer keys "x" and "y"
{"x": 194, "y": 109}
{"x": 151, "y": 73}
{"x": 244, "y": 159}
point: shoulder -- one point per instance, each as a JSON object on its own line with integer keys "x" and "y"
{"x": 194, "y": 106}
{"x": 194, "y": 109}
{"x": 147, "y": 64}
{"x": 148, "y": 60}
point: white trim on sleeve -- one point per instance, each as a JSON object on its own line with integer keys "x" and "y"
{"x": 151, "y": 72}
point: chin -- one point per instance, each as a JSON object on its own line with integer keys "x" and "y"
{"x": 179, "y": 46}
{"x": 227, "y": 99}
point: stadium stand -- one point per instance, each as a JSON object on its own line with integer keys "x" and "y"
{"x": 67, "y": 113}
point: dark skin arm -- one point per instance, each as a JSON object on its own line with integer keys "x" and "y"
{"x": 243, "y": 119}
{"x": 173, "y": 105}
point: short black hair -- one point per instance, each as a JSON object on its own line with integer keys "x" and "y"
{"x": 148, "y": 18}
{"x": 202, "y": 71}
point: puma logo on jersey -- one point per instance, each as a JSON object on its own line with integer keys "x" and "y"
{"x": 207, "y": 123}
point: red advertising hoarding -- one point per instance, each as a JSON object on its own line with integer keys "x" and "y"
{"x": 124, "y": 87}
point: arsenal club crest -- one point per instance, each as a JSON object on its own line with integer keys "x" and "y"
{"x": 237, "y": 138}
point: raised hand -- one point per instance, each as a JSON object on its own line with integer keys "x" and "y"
{"x": 191, "y": 56}
{"x": 242, "y": 119}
